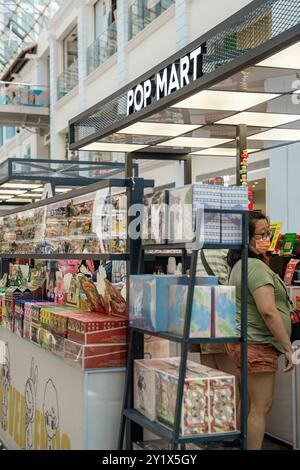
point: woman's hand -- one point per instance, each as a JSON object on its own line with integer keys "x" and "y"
{"x": 289, "y": 365}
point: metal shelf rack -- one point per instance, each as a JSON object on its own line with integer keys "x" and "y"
{"x": 134, "y": 422}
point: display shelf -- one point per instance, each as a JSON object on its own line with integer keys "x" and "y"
{"x": 187, "y": 246}
{"x": 53, "y": 256}
{"x": 167, "y": 434}
{"x": 180, "y": 339}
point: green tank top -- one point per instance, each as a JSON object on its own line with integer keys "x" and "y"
{"x": 259, "y": 274}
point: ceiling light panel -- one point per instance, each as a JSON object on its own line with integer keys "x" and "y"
{"x": 19, "y": 199}
{"x": 11, "y": 191}
{"x": 219, "y": 151}
{"x": 278, "y": 134}
{"x": 159, "y": 129}
{"x": 109, "y": 147}
{"x": 62, "y": 190}
{"x": 201, "y": 142}
{"x": 21, "y": 185}
{"x": 288, "y": 58}
{"x": 259, "y": 119}
{"x": 224, "y": 100}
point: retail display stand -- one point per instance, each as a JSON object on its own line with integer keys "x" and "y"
{"x": 86, "y": 402}
{"x": 134, "y": 422}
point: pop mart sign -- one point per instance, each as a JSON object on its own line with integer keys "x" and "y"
{"x": 172, "y": 78}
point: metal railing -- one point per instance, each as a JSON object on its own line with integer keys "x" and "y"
{"x": 102, "y": 48}
{"x": 143, "y": 12}
{"x": 22, "y": 94}
{"x": 67, "y": 80}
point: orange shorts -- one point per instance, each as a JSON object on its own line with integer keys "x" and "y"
{"x": 261, "y": 357}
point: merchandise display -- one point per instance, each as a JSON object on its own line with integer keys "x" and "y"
{"x": 201, "y": 312}
{"x": 208, "y": 401}
{"x": 235, "y": 198}
{"x": 155, "y": 218}
{"x": 93, "y": 223}
{"x": 95, "y": 356}
{"x": 148, "y": 302}
{"x": 224, "y": 311}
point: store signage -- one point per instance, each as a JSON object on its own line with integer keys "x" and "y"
{"x": 172, "y": 78}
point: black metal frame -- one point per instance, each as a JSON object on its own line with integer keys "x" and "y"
{"x": 227, "y": 69}
{"x": 137, "y": 420}
{"x": 39, "y": 164}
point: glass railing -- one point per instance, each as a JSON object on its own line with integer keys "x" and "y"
{"x": 102, "y": 49}
{"x": 143, "y": 12}
{"x": 67, "y": 80}
{"x": 21, "y": 94}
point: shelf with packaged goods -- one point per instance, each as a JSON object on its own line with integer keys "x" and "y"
{"x": 167, "y": 434}
{"x": 180, "y": 339}
{"x": 54, "y": 256}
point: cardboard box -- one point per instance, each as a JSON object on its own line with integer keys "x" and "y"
{"x": 93, "y": 328}
{"x": 95, "y": 356}
{"x": 201, "y": 313}
{"x": 224, "y": 311}
{"x": 149, "y": 300}
{"x": 27, "y": 330}
{"x": 58, "y": 345}
{"x": 236, "y": 198}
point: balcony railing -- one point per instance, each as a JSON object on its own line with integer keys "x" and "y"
{"x": 67, "y": 80}
{"x": 143, "y": 12}
{"x": 21, "y": 94}
{"x": 102, "y": 49}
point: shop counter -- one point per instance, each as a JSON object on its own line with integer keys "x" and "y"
{"x": 47, "y": 403}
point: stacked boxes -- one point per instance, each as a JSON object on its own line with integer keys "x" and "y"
{"x": 95, "y": 356}
{"x": 184, "y": 204}
{"x": 208, "y": 401}
{"x": 91, "y": 328}
{"x": 236, "y": 198}
{"x": 148, "y": 300}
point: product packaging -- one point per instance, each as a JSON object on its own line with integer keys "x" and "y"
{"x": 92, "y": 328}
{"x": 149, "y": 299}
{"x": 155, "y": 218}
{"x": 234, "y": 198}
{"x": 95, "y": 356}
{"x": 224, "y": 311}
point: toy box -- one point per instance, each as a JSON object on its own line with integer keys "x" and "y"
{"x": 95, "y": 356}
{"x": 224, "y": 311}
{"x": 35, "y": 334}
{"x": 144, "y": 386}
{"x": 92, "y": 328}
{"x": 156, "y": 347}
{"x": 45, "y": 339}
{"x": 58, "y": 345}
{"x": 184, "y": 203}
{"x": 236, "y": 198}
{"x": 208, "y": 401}
{"x": 155, "y": 218}
{"x": 11, "y": 295}
{"x": 148, "y": 300}
{"x": 19, "y": 316}
{"x": 201, "y": 313}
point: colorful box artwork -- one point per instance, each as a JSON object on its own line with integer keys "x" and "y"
{"x": 224, "y": 311}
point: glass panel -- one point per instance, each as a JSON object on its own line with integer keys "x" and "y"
{"x": 67, "y": 80}
{"x": 92, "y": 223}
{"x": 143, "y": 12}
{"x": 102, "y": 49}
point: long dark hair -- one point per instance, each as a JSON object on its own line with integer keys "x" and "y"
{"x": 235, "y": 255}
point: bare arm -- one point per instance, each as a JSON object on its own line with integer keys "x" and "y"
{"x": 265, "y": 302}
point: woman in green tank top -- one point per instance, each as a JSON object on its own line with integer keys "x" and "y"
{"x": 268, "y": 328}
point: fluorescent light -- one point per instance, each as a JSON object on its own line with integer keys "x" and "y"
{"x": 21, "y": 185}
{"x": 11, "y": 191}
{"x": 111, "y": 147}
{"x": 288, "y": 58}
{"x": 193, "y": 142}
{"x": 19, "y": 199}
{"x": 277, "y": 134}
{"x": 62, "y": 190}
{"x": 259, "y": 119}
{"x": 224, "y": 100}
{"x": 39, "y": 190}
{"x": 158, "y": 128}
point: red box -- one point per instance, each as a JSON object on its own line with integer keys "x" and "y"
{"x": 96, "y": 356}
{"x": 93, "y": 328}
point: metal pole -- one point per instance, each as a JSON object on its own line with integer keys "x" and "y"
{"x": 188, "y": 170}
{"x": 244, "y": 342}
{"x": 241, "y": 145}
{"x": 184, "y": 350}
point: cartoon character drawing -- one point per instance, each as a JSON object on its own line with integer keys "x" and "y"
{"x": 30, "y": 405}
{"x": 5, "y": 381}
{"x": 51, "y": 412}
